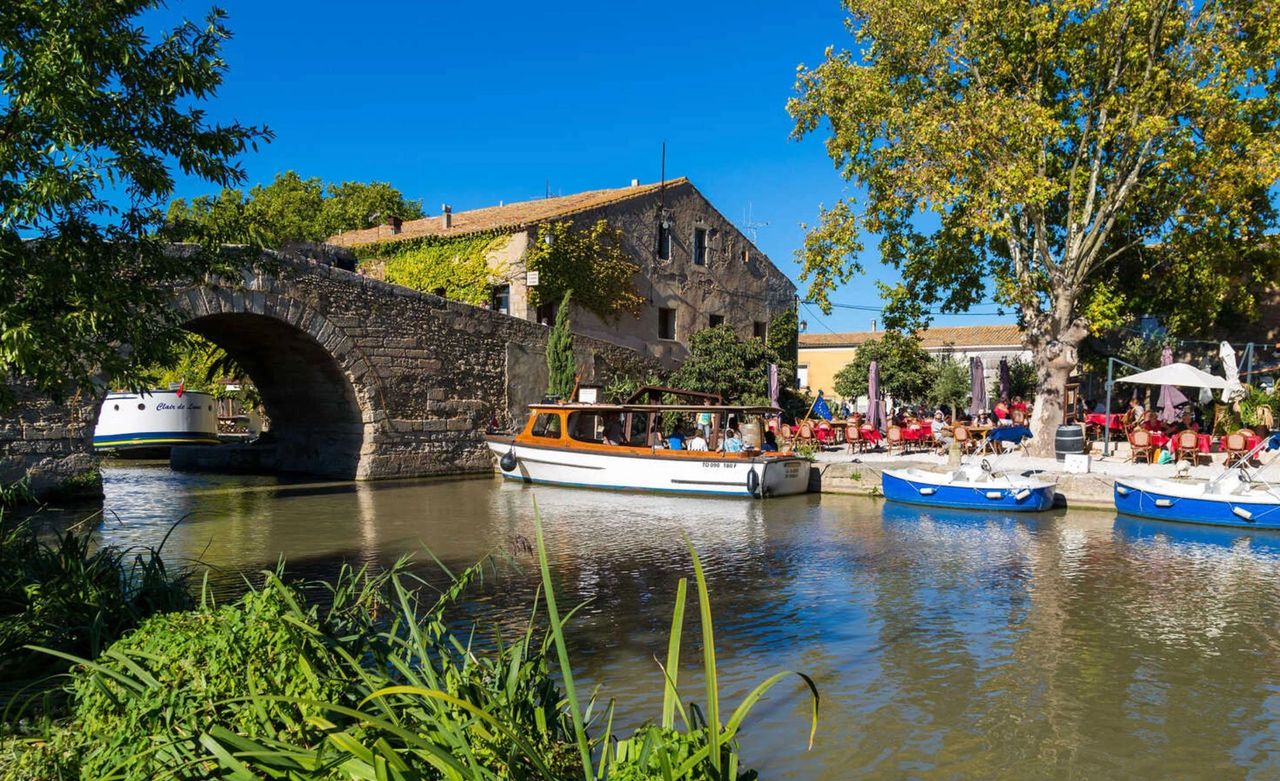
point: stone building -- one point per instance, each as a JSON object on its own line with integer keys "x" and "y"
{"x": 696, "y": 269}
{"x": 822, "y": 355}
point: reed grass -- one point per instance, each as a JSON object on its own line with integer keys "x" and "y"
{"x": 370, "y": 682}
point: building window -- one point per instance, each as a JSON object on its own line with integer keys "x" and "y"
{"x": 666, "y": 324}
{"x": 746, "y": 257}
{"x": 802, "y": 375}
{"x": 759, "y": 330}
{"x": 700, "y": 246}
{"x": 500, "y": 299}
{"x": 716, "y": 320}
{"x": 664, "y": 239}
{"x": 546, "y": 314}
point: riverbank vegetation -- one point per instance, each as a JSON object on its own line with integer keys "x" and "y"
{"x": 360, "y": 677}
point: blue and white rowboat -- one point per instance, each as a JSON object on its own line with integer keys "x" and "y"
{"x": 1230, "y": 500}
{"x": 967, "y": 488}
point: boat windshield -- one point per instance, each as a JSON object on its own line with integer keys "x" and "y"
{"x": 546, "y": 425}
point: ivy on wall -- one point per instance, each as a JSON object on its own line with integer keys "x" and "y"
{"x": 592, "y": 262}
{"x": 458, "y": 265}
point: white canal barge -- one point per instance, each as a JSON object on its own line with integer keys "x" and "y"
{"x": 156, "y": 420}
{"x": 568, "y": 444}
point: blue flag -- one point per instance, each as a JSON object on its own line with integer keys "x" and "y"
{"x": 821, "y": 409}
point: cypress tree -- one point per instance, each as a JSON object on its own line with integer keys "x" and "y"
{"x": 561, "y": 365}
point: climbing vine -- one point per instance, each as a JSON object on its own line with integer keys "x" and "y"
{"x": 592, "y": 262}
{"x": 458, "y": 265}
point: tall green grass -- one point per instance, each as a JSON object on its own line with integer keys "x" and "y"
{"x": 369, "y": 681}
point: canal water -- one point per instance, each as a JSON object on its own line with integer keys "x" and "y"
{"x": 946, "y": 645}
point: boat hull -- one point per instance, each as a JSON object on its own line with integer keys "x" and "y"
{"x": 156, "y": 419}
{"x": 1183, "y": 506}
{"x": 921, "y": 490}
{"x": 714, "y": 475}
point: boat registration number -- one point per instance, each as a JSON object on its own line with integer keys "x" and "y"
{"x": 715, "y": 465}
{"x": 793, "y": 469}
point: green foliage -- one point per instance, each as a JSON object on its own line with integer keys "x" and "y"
{"x": 952, "y": 384}
{"x": 64, "y": 593}
{"x": 1038, "y": 151}
{"x": 289, "y": 209}
{"x": 592, "y": 262}
{"x": 97, "y": 115}
{"x": 359, "y": 679}
{"x": 906, "y": 371}
{"x": 722, "y": 363}
{"x": 1143, "y": 350}
{"x": 1022, "y": 379}
{"x": 783, "y": 340}
{"x": 459, "y": 266}
{"x": 562, "y": 367}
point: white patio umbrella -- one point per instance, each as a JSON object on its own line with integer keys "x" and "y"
{"x": 1234, "y": 391}
{"x": 1182, "y": 375}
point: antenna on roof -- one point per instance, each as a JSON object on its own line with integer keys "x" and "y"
{"x": 547, "y": 193}
{"x": 750, "y": 228}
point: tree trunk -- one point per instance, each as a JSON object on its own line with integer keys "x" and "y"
{"x": 1053, "y": 352}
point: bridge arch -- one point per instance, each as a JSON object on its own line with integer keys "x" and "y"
{"x": 317, "y": 387}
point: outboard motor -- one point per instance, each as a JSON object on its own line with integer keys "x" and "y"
{"x": 508, "y": 461}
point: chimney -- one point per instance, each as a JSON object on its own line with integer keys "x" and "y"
{"x": 635, "y": 182}
{"x": 446, "y": 217}
{"x": 873, "y": 326}
{"x": 393, "y": 222}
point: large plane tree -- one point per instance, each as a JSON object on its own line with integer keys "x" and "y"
{"x": 1035, "y": 150}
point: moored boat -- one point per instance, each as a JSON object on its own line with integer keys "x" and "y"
{"x": 567, "y": 444}
{"x": 1236, "y": 497}
{"x": 971, "y": 487}
{"x": 156, "y": 420}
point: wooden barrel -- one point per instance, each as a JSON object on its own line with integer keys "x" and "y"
{"x": 1068, "y": 439}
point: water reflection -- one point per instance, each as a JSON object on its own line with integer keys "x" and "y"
{"x": 946, "y": 644}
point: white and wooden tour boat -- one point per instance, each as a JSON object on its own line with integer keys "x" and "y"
{"x": 569, "y": 444}
{"x": 156, "y": 420}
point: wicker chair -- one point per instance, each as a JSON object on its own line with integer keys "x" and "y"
{"x": 1187, "y": 445}
{"x": 964, "y": 440}
{"x": 1236, "y": 447}
{"x": 854, "y": 439}
{"x": 894, "y": 440}
{"x": 1140, "y": 445}
{"x": 785, "y": 435}
{"x": 804, "y": 433}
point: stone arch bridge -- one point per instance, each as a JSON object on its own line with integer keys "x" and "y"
{"x": 361, "y": 379}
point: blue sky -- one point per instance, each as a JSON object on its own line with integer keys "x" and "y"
{"x": 474, "y": 103}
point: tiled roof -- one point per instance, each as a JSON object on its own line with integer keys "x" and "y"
{"x": 931, "y": 338}
{"x": 511, "y": 216}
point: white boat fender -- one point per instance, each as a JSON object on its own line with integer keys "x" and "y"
{"x": 1242, "y": 513}
{"x": 508, "y": 460}
{"x": 753, "y": 482}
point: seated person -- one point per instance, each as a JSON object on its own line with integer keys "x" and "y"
{"x": 1186, "y": 423}
{"x": 983, "y": 419}
{"x": 1152, "y": 423}
{"x": 732, "y": 442}
{"x": 697, "y": 441}
{"x": 770, "y": 443}
{"x": 1001, "y": 413}
{"x": 942, "y": 432}
{"x": 1018, "y": 418}
{"x": 1018, "y": 405}
{"x": 675, "y": 440}
{"x": 656, "y": 439}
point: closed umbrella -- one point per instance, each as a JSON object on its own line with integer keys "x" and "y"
{"x": 875, "y": 415}
{"x": 1170, "y": 396}
{"x": 1006, "y": 382}
{"x": 978, "y": 387}
{"x": 1234, "y": 390}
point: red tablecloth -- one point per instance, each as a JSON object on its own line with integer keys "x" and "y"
{"x": 870, "y": 434}
{"x": 916, "y": 434}
{"x": 1205, "y": 441}
{"x": 1114, "y": 421}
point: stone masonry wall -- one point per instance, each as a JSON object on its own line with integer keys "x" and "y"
{"x": 361, "y": 379}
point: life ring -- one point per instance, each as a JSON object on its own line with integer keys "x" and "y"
{"x": 508, "y": 461}
{"x": 753, "y": 482}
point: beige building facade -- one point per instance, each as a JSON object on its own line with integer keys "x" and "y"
{"x": 822, "y": 355}
{"x": 696, "y": 269}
